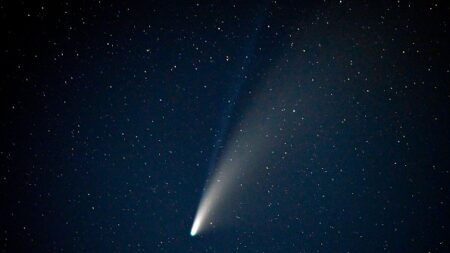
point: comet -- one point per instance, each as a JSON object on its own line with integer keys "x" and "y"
{"x": 244, "y": 150}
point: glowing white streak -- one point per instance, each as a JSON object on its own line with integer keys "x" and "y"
{"x": 208, "y": 204}
{"x": 199, "y": 218}
{"x": 247, "y": 149}
{"x": 235, "y": 165}
{"x": 195, "y": 227}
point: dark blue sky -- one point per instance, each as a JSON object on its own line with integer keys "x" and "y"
{"x": 112, "y": 114}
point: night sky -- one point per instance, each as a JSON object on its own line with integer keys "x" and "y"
{"x": 114, "y": 115}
